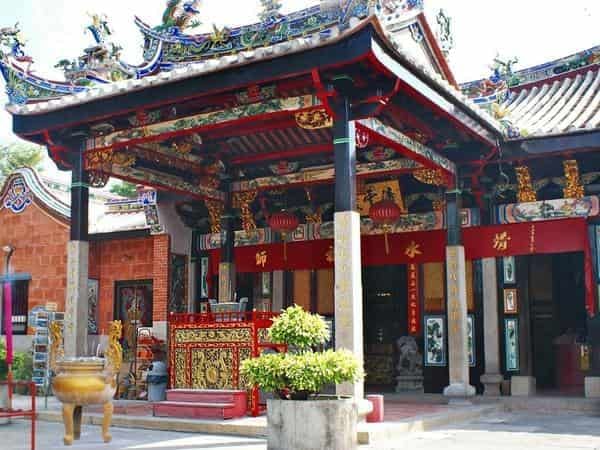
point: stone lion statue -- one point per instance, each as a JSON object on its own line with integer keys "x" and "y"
{"x": 410, "y": 360}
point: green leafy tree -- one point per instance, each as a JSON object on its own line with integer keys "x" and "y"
{"x": 17, "y": 155}
{"x": 124, "y": 189}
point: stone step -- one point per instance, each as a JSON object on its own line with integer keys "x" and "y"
{"x": 207, "y": 396}
{"x": 199, "y": 410}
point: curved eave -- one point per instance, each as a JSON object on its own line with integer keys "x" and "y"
{"x": 363, "y": 40}
{"x": 42, "y": 196}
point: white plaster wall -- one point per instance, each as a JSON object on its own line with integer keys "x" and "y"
{"x": 181, "y": 237}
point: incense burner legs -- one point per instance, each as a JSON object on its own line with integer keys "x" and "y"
{"x": 82, "y": 382}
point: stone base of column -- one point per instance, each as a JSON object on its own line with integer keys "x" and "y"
{"x": 592, "y": 387}
{"x": 522, "y": 386}
{"x": 459, "y": 391}
{"x": 491, "y": 383}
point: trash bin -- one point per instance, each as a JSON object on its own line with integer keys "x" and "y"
{"x": 157, "y": 381}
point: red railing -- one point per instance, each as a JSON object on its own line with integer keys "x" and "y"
{"x": 10, "y": 413}
{"x": 223, "y": 317}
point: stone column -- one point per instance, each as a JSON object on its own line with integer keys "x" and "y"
{"x": 348, "y": 276}
{"x": 492, "y": 378}
{"x": 227, "y": 272}
{"x": 76, "y": 305}
{"x": 458, "y": 354}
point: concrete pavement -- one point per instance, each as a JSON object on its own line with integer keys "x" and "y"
{"x": 495, "y": 431}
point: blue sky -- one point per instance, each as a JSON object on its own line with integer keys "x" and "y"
{"x": 533, "y": 30}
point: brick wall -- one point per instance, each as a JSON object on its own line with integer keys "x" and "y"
{"x": 119, "y": 260}
{"x": 161, "y": 276}
{"x": 40, "y": 243}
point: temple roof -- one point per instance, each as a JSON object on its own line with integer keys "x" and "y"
{"x": 554, "y": 98}
{"x": 171, "y": 55}
{"x": 107, "y": 213}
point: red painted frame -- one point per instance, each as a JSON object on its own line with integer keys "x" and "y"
{"x": 254, "y": 320}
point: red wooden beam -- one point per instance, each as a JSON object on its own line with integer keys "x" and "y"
{"x": 411, "y": 120}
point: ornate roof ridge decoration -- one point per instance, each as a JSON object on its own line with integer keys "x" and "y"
{"x": 32, "y": 186}
{"x": 558, "y": 67}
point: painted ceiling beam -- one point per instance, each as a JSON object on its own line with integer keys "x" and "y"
{"x": 199, "y": 122}
{"x": 285, "y": 154}
{"x": 326, "y": 175}
{"x": 406, "y": 146}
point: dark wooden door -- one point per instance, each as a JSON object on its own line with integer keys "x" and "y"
{"x": 385, "y": 320}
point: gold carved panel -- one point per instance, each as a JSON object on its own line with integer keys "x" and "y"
{"x": 212, "y": 368}
{"x": 181, "y": 369}
{"x": 213, "y": 335}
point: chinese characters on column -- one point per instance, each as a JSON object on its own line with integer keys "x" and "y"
{"x": 414, "y": 315}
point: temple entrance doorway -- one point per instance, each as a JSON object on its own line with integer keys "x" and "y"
{"x": 558, "y": 321}
{"x": 385, "y": 321}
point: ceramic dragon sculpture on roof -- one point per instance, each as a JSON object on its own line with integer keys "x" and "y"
{"x": 180, "y": 14}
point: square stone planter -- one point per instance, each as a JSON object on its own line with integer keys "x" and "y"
{"x": 320, "y": 424}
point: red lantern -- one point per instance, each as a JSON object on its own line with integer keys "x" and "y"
{"x": 284, "y": 222}
{"x": 385, "y": 213}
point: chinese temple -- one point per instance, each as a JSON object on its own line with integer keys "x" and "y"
{"x": 329, "y": 158}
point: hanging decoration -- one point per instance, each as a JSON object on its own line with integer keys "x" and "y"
{"x": 314, "y": 119}
{"x": 525, "y": 193}
{"x": 573, "y": 187}
{"x": 215, "y": 211}
{"x": 434, "y": 177}
{"x": 284, "y": 222}
{"x": 362, "y": 139}
{"x": 98, "y": 179}
{"x": 384, "y": 214}
{"x": 243, "y": 200}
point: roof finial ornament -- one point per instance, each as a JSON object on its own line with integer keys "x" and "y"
{"x": 12, "y": 43}
{"x": 444, "y": 32}
{"x": 99, "y": 28}
{"x": 179, "y": 15}
{"x": 271, "y": 10}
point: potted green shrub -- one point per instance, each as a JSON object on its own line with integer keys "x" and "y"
{"x": 299, "y": 418}
{"x": 3, "y": 375}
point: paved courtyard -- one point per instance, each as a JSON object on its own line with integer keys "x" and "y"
{"x": 500, "y": 431}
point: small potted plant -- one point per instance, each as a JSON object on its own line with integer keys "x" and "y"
{"x": 299, "y": 418}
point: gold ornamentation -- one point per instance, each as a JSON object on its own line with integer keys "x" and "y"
{"x": 261, "y": 258}
{"x": 181, "y": 369}
{"x": 183, "y": 147}
{"x": 330, "y": 256}
{"x": 526, "y": 193}
{"x": 413, "y": 250}
{"x": 219, "y": 37}
{"x": 243, "y": 200}
{"x": 501, "y": 241}
{"x": 56, "y": 348}
{"x": 314, "y": 119}
{"x": 98, "y": 179}
{"x": 99, "y": 159}
{"x": 434, "y": 177}
{"x": 573, "y": 187}
{"x": 210, "y": 181}
{"x": 122, "y": 159}
{"x": 212, "y": 368}
{"x": 114, "y": 351}
{"x": 438, "y": 205}
{"x": 315, "y": 217}
{"x": 215, "y": 211}
{"x": 213, "y": 335}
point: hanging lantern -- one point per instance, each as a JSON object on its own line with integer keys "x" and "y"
{"x": 385, "y": 213}
{"x": 284, "y": 222}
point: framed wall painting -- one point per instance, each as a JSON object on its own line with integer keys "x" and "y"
{"x": 435, "y": 340}
{"x": 203, "y": 277}
{"x": 511, "y": 301}
{"x": 471, "y": 339}
{"x": 511, "y": 342}
{"x": 509, "y": 269}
